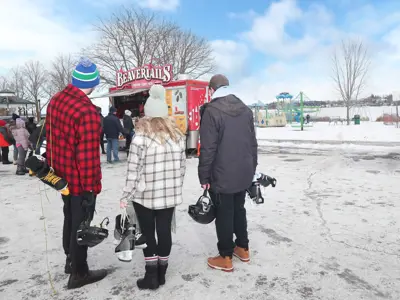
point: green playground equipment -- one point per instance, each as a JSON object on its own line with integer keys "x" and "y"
{"x": 294, "y": 109}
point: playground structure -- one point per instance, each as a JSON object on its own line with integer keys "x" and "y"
{"x": 294, "y": 109}
{"x": 289, "y": 110}
{"x": 262, "y": 118}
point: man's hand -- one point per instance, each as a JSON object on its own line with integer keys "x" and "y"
{"x": 205, "y": 186}
{"x": 88, "y": 199}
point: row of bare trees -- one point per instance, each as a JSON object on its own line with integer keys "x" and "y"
{"x": 32, "y": 81}
{"x": 128, "y": 39}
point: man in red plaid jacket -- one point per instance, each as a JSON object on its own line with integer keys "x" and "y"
{"x": 73, "y": 128}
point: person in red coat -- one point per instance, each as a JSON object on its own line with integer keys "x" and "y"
{"x": 5, "y": 142}
{"x": 73, "y": 128}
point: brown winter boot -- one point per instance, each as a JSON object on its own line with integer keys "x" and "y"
{"x": 221, "y": 263}
{"x": 242, "y": 253}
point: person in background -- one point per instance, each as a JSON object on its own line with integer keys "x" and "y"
{"x": 38, "y": 137}
{"x": 21, "y": 137}
{"x": 30, "y": 125}
{"x": 156, "y": 170}
{"x": 112, "y": 130}
{"x": 72, "y": 148}
{"x": 102, "y": 130}
{"x": 128, "y": 128}
{"x": 12, "y": 126}
{"x": 227, "y": 164}
{"x": 6, "y": 140}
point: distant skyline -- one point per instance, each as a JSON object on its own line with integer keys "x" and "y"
{"x": 264, "y": 47}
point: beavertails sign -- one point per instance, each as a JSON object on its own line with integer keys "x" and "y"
{"x": 144, "y": 76}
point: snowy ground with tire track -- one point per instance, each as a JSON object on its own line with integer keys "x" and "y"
{"x": 329, "y": 230}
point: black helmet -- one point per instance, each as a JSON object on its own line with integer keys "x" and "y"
{"x": 203, "y": 211}
{"x": 91, "y": 235}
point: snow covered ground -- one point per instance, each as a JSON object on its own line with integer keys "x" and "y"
{"x": 322, "y": 135}
{"x": 329, "y": 230}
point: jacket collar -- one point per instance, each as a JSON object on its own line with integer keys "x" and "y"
{"x": 73, "y": 91}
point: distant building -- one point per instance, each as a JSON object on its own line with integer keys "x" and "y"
{"x": 10, "y": 103}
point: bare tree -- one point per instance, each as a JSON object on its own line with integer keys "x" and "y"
{"x": 3, "y": 83}
{"x": 133, "y": 38}
{"x": 350, "y": 65}
{"x": 59, "y": 76}
{"x": 35, "y": 81}
{"x": 16, "y": 82}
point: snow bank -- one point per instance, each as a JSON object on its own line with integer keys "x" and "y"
{"x": 366, "y": 132}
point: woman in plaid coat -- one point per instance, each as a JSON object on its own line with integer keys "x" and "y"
{"x": 156, "y": 169}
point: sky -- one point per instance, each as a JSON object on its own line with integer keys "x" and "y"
{"x": 263, "y": 47}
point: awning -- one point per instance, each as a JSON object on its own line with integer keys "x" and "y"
{"x": 121, "y": 93}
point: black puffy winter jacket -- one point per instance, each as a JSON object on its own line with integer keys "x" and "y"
{"x": 228, "y": 153}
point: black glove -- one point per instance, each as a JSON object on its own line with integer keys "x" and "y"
{"x": 89, "y": 199}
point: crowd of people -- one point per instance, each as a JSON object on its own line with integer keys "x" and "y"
{"x": 156, "y": 168}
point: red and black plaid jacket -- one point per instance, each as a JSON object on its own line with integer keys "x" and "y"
{"x": 72, "y": 137}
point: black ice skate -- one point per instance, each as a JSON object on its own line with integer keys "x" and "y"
{"x": 38, "y": 167}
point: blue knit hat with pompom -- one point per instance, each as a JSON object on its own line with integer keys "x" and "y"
{"x": 85, "y": 75}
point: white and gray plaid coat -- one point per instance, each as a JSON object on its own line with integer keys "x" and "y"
{"x": 155, "y": 172}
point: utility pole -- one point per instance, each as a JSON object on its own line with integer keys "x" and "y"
{"x": 301, "y": 110}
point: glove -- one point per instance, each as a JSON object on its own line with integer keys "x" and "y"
{"x": 88, "y": 199}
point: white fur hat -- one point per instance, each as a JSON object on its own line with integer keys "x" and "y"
{"x": 128, "y": 113}
{"x": 155, "y": 105}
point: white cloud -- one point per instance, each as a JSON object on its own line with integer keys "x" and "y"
{"x": 159, "y": 4}
{"x": 302, "y": 62}
{"x": 248, "y": 15}
{"x": 33, "y": 30}
{"x": 230, "y": 56}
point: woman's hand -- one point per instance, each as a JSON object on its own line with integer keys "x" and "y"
{"x": 123, "y": 204}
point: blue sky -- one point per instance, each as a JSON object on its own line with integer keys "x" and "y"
{"x": 265, "y": 47}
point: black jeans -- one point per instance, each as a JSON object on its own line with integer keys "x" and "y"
{"x": 4, "y": 154}
{"x": 74, "y": 215}
{"x": 128, "y": 141}
{"x": 230, "y": 219}
{"x": 102, "y": 142}
{"x": 155, "y": 220}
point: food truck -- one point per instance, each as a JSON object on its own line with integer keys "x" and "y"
{"x": 184, "y": 97}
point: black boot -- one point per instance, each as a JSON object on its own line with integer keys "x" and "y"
{"x": 20, "y": 171}
{"x": 68, "y": 267}
{"x": 79, "y": 280}
{"x": 6, "y": 162}
{"x": 162, "y": 270}
{"x": 150, "y": 280}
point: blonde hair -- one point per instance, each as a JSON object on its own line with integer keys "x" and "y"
{"x": 160, "y": 128}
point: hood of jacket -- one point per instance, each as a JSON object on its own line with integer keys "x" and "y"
{"x": 225, "y": 101}
{"x": 19, "y": 123}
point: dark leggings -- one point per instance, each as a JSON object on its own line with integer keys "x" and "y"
{"x": 152, "y": 221}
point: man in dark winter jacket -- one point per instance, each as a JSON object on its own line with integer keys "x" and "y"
{"x": 128, "y": 128}
{"x": 227, "y": 164}
{"x": 112, "y": 130}
{"x": 30, "y": 125}
{"x": 37, "y": 137}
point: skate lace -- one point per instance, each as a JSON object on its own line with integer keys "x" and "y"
{"x": 51, "y": 178}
